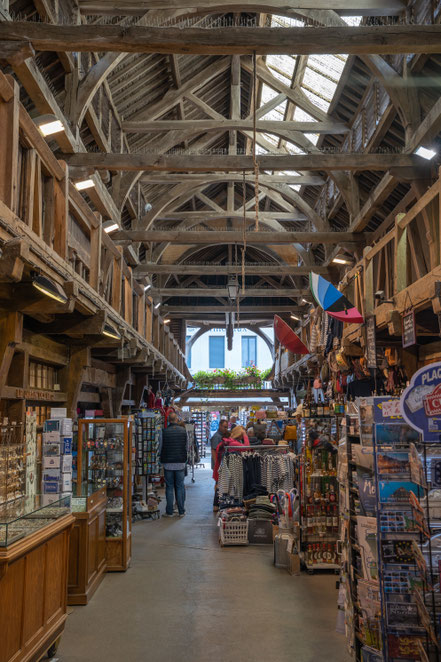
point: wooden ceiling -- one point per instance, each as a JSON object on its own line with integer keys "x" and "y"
{"x": 164, "y": 100}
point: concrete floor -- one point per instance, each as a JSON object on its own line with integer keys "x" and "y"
{"x": 184, "y": 598}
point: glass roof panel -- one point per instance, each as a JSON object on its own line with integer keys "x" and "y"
{"x": 275, "y": 114}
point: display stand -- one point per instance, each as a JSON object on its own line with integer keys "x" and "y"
{"x": 201, "y": 421}
{"x": 319, "y": 498}
{"x": 104, "y": 460}
{"x": 87, "y": 550}
{"x": 33, "y": 578}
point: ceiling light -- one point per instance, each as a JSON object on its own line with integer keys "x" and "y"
{"x": 110, "y": 331}
{"x": 425, "y": 153}
{"x": 305, "y": 301}
{"x": 156, "y": 306}
{"x": 147, "y": 287}
{"x": 342, "y": 259}
{"x": 49, "y": 288}
{"x": 84, "y": 184}
{"x": 49, "y": 124}
{"x": 111, "y": 228}
{"x": 294, "y": 317}
{"x": 166, "y": 321}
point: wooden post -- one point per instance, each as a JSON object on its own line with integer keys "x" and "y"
{"x": 141, "y": 315}
{"x": 11, "y": 330}
{"x": 95, "y": 254}
{"x": 148, "y": 320}
{"x": 61, "y": 211}
{"x": 401, "y": 259}
{"x": 9, "y": 116}
{"x": 369, "y": 300}
{"x": 71, "y": 377}
{"x": 117, "y": 282}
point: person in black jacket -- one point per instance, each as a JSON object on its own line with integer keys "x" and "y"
{"x": 174, "y": 458}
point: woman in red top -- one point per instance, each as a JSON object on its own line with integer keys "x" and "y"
{"x": 238, "y": 438}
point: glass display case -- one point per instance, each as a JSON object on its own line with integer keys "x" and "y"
{"x": 27, "y": 515}
{"x": 104, "y": 461}
{"x": 12, "y": 462}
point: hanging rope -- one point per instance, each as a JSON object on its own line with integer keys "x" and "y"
{"x": 256, "y": 167}
{"x": 244, "y": 231}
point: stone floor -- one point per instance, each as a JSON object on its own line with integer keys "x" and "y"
{"x": 186, "y": 599}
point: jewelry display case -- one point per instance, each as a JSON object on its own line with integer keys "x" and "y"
{"x": 27, "y": 515}
{"x": 104, "y": 461}
{"x": 34, "y": 551}
{"x": 87, "y": 549}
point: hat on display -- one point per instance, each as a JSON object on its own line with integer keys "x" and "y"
{"x": 261, "y": 414}
{"x": 299, "y": 411}
{"x": 283, "y": 442}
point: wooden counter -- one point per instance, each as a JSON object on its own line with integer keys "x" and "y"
{"x": 33, "y": 592}
{"x": 87, "y": 550}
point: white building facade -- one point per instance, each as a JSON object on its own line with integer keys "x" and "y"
{"x": 210, "y": 351}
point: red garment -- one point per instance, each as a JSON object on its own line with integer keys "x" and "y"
{"x": 220, "y": 452}
{"x": 151, "y": 399}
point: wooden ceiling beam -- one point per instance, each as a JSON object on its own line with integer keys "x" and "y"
{"x": 200, "y": 216}
{"x": 307, "y": 180}
{"x": 269, "y": 308}
{"x": 223, "y": 292}
{"x": 359, "y": 40}
{"x": 267, "y": 126}
{"x": 215, "y": 162}
{"x": 210, "y": 237}
{"x": 280, "y": 7}
{"x": 227, "y": 269}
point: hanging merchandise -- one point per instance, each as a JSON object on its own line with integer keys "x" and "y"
{"x": 333, "y": 301}
{"x": 286, "y": 336}
{"x": 147, "y": 430}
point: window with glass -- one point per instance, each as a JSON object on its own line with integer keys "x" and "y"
{"x": 216, "y": 351}
{"x": 249, "y": 351}
{"x": 188, "y": 358}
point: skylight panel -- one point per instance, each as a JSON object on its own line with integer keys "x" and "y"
{"x": 260, "y": 149}
{"x": 282, "y": 64}
{"x": 301, "y": 116}
{"x": 293, "y": 149}
{"x": 330, "y": 65}
{"x": 352, "y": 20}
{"x": 271, "y": 138}
{"x": 323, "y": 104}
{"x": 325, "y": 88}
{"x": 276, "y": 114}
{"x": 313, "y": 137}
{"x": 268, "y": 93}
{"x": 285, "y": 22}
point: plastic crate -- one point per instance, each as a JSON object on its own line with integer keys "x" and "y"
{"x": 233, "y": 533}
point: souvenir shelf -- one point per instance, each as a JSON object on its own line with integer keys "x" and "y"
{"x": 201, "y": 419}
{"x": 87, "y": 551}
{"x": 104, "y": 461}
{"x": 33, "y": 575}
{"x": 147, "y": 429}
{"x": 389, "y": 601}
{"x": 12, "y": 462}
{"x": 319, "y": 519}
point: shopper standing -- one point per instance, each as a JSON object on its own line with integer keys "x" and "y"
{"x": 174, "y": 458}
{"x": 221, "y": 434}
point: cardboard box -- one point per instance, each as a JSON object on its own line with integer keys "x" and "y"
{"x": 51, "y": 462}
{"x": 51, "y": 437}
{"x": 51, "y": 487}
{"x": 66, "y": 463}
{"x": 58, "y": 412}
{"x": 52, "y": 449}
{"x": 294, "y": 564}
{"x": 260, "y": 532}
{"x": 66, "y": 445}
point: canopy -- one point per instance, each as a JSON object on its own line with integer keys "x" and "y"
{"x": 286, "y": 337}
{"x": 332, "y": 301}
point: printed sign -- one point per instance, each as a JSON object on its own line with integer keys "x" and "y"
{"x": 371, "y": 343}
{"x": 421, "y": 402}
{"x": 409, "y": 329}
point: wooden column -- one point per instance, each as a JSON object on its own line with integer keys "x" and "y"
{"x": 71, "y": 377}
{"x": 9, "y": 116}
{"x": 401, "y": 257}
{"x": 11, "y": 331}
{"x": 117, "y": 282}
{"x": 95, "y": 254}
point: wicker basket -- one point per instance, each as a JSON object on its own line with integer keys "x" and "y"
{"x": 233, "y": 533}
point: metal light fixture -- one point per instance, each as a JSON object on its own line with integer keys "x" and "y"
{"x": 305, "y": 301}
{"x": 49, "y": 288}
{"x": 111, "y": 227}
{"x": 233, "y": 287}
{"x": 425, "y": 153}
{"x": 84, "y": 184}
{"x": 110, "y": 331}
{"x": 294, "y": 317}
{"x": 48, "y": 124}
{"x": 157, "y": 305}
{"x": 166, "y": 321}
{"x": 147, "y": 287}
{"x": 342, "y": 259}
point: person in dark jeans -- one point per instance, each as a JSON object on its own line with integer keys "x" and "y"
{"x": 221, "y": 434}
{"x": 174, "y": 458}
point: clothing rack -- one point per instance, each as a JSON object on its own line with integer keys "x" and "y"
{"x": 231, "y": 449}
